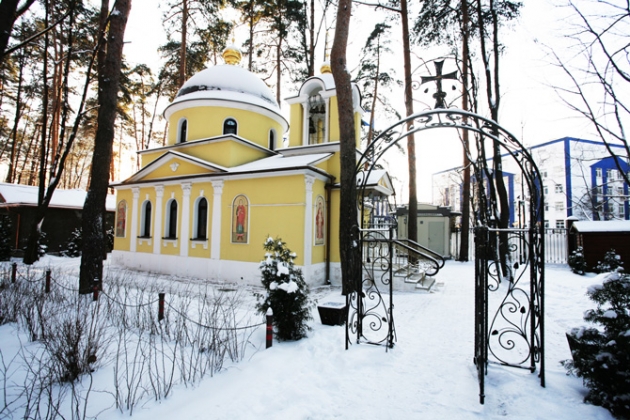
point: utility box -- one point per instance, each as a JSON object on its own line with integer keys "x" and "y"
{"x": 333, "y": 313}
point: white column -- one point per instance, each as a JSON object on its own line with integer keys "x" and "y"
{"x": 184, "y": 235}
{"x": 327, "y": 121}
{"x": 305, "y": 123}
{"x": 133, "y": 234}
{"x": 157, "y": 220}
{"x": 308, "y": 220}
{"x": 215, "y": 244}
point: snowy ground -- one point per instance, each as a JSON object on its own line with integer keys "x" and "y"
{"x": 429, "y": 374}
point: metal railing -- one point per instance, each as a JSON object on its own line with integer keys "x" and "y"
{"x": 555, "y": 245}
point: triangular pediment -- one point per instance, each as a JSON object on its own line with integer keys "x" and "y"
{"x": 175, "y": 165}
{"x": 377, "y": 181}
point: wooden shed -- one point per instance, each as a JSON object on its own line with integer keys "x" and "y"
{"x": 598, "y": 237}
{"x": 19, "y": 202}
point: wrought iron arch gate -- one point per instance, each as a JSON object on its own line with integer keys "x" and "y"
{"x": 509, "y": 300}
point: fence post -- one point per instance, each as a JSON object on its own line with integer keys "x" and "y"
{"x": 13, "y": 272}
{"x": 269, "y": 327}
{"x": 95, "y": 289}
{"x": 161, "y": 306}
{"x": 47, "y": 287}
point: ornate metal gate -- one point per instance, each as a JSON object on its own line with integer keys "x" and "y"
{"x": 509, "y": 291}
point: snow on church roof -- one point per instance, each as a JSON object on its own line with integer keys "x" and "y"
{"x": 281, "y": 162}
{"x": 26, "y": 195}
{"x": 228, "y": 82}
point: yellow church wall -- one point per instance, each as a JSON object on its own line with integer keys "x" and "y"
{"x": 205, "y": 122}
{"x": 276, "y": 209}
{"x": 124, "y": 243}
{"x": 334, "y": 225}
{"x": 295, "y": 134}
{"x": 148, "y": 157}
{"x": 334, "y": 120}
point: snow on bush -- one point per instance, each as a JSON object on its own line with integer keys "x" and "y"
{"x": 286, "y": 291}
{"x": 601, "y": 353}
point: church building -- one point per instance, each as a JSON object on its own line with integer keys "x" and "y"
{"x": 203, "y": 205}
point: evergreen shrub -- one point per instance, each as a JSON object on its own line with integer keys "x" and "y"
{"x": 577, "y": 261}
{"x": 611, "y": 262}
{"x": 287, "y": 293}
{"x": 601, "y": 353}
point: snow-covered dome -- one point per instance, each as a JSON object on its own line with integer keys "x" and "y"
{"x": 227, "y": 82}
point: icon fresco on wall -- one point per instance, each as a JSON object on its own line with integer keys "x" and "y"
{"x": 121, "y": 219}
{"x": 240, "y": 217}
{"x": 320, "y": 220}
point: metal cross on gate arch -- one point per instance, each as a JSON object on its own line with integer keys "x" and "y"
{"x": 509, "y": 291}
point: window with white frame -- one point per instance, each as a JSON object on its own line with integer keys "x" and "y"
{"x": 230, "y": 126}
{"x": 170, "y": 231}
{"x": 559, "y": 205}
{"x": 145, "y": 222}
{"x": 609, "y": 174}
{"x": 622, "y": 209}
{"x": 200, "y": 227}
{"x": 182, "y": 131}
{"x": 546, "y": 223}
{"x": 558, "y": 188}
{"x": 560, "y": 224}
{"x": 598, "y": 172}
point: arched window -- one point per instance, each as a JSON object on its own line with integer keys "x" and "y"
{"x": 272, "y": 140}
{"x": 201, "y": 219}
{"x": 230, "y": 126}
{"x": 171, "y": 220}
{"x": 317, "y": 118}
{"x": 145, "y": 225}
{"x": 121, "y": 219}
{"x": 183, "y": 130}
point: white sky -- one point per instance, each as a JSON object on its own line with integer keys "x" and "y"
{"x": 530, "y": 108}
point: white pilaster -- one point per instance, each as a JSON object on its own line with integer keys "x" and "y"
{"x": 185, "y": 215}
{"x": 157, "y": 223}
{"x": 305, "y": 132}
{"x": 327, "y": 121}
{"x": 133, "y": 233}
{"x": 215, "y": 244}
{"x": 308, "y": 220}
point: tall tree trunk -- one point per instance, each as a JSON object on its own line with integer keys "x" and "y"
{"x": 412, "y": 219}
{"x": 465, "y": 203}
{"x": 348, "y": 222}
{"x": 31, "y": 254}
{"x": 182, "y": 50}
{"x": 93, "y": 223}
{"x": 494, "y": 97}
{"x": 18, "y": 116}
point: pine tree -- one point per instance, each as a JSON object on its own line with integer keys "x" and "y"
{"x": 287, "y": 292}
{"x": 5, "y": 238}
{"x": 601, "y": 354}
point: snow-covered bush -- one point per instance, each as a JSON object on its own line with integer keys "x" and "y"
{"x": 611, "y": 262}
{"x": 577, "y": 261}
{"x": 5, "y": 238}
{"x": 287, "y": 292}
{"x": 601, "y": 353}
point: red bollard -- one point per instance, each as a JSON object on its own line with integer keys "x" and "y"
{"x": 269, "y": 327}
{"x": 160, "y": 306}
{"x": 47, "y": 287}
{"x": 95, "y": 289}
{"x": 13, "y": 272}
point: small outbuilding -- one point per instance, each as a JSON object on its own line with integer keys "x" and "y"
{"x": 598, "y": 237}
{"x": 19, "y": 202}
{"x": 434, "y": 227}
